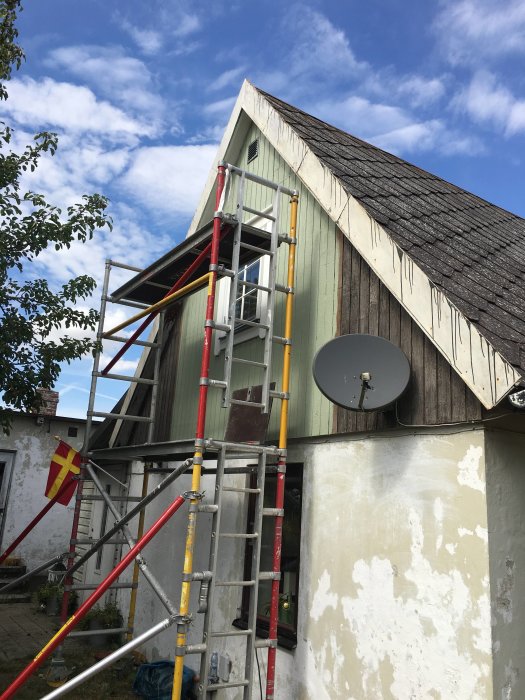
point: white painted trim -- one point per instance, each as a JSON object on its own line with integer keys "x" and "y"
{"x": 482, "y": 368}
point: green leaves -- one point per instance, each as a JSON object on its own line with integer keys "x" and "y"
{"x": 40, "y": 328}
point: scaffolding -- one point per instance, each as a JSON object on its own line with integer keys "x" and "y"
{"x": 242, "y": 240}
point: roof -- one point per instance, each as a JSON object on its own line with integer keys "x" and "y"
{"x": 472, "y": 250}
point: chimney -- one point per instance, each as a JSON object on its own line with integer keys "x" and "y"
{"x": 49, "y": 402}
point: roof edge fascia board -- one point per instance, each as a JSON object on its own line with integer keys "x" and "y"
{"x": 228, "y": 150}
{"x": 485, "y": 371}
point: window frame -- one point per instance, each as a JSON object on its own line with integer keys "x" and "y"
{"x": 242, "y": 334}
{"x": 286, "y": 633}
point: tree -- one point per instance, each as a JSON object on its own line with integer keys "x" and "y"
{"x": 31, "y": 311}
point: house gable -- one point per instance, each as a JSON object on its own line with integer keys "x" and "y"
{"x": 483, "y": 368}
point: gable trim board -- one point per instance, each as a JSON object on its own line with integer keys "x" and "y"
{"x": 485, "y": 371}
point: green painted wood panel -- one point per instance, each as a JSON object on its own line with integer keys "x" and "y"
{"x": 315, "y": 310}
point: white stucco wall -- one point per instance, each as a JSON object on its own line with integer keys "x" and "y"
{"x": 32, "y": 447}
{"x": 506, "y": 510}
{"x": 394, "y": 582}
{"x": 395, "y": 571}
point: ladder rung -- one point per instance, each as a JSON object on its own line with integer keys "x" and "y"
{"x": 143, "y": 343}
{"x": 120, "y": 416}
{"x": 259, "y": 213}
{"x": 240, "y": 489}
{"x": 207, "y": 508}
{"x": 88, "y": 540}
{"x": 91, "y": 633}
{"x": 240, "y": 536}
{"x": 253, "y": 324}
{"x": 212, "y": 687}
{"x": 279, "y": 339}
{"x": 273, "y": 511}
{"x": 133, "y": 304}
{"x": 234, "y": 633}
{"x": 264, "y": 643}
{"x": 256, "y": 249}
{"x": 195, "y": 649}
{"x": 92, "y": 586}
{"x": 237, "y": 584}
{"x": 255, "y": 404}
{"x": 281, "y": 238}
{"x": 279, "y": 395}
{"x": 127, "y": 499}
{"x": 253, "y": 285}
{"x": 252, "y": 363}
{"x": 269, "y": 576}
{"x": 125, "y": 378}
{"x": 125, "y": 266}
{"x": 220, "y": 326}
{"x": 218, "y": 383}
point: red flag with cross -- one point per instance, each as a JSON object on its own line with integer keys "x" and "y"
{"x": 65, "y": 465}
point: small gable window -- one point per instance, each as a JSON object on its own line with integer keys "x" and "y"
{"x": 253, "y": 150}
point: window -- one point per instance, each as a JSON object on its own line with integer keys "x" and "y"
{"x": 289, "y": 584}
{"x": 250, "y": 305}
{"x": 72, "y": 431}
{"x": 246, "y": 302}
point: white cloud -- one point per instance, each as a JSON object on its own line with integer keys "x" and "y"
{"x": 419, "y": 91}
{"x": 78, "y": 166}
{"x": 48, "y": 103}
{"x": 361, "y": 117}
{"x": 486, "y": 101}
{"x": 220, "y": 107}
{"x": 169, "y": 179}
{"x": 123, "y": 79}
{"x": 120, "y": 367}
{"x": 318, "y": 47}
{"x": 149, "y": 41}
{"x": 226, "y": 78}
{"x": 185, "y": 24}
{"x": 128, "y": 242}
{"x": 470, "y": 29}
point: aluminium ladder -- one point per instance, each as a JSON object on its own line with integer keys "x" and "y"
{"x": 87, "y": 474}
{"x": 210, "y": 585}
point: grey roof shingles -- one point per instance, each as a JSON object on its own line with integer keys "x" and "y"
{"x": 472, "y": 250}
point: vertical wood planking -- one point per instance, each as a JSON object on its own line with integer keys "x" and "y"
{"x": 436, "y": 394}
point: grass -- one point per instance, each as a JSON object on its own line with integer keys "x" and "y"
{"x": 115, "y": 682}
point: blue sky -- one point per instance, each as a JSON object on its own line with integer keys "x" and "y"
{"x": 140, "y": 93}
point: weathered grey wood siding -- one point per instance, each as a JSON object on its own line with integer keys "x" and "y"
{"x": 314, "y": 316}
{"x": 436, "y": 393}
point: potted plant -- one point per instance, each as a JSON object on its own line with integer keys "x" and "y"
{"x": 49, "y": 598}
{"x": 108, "y": 617}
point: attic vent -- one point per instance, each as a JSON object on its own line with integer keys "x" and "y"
{"x": 253, "y": 150}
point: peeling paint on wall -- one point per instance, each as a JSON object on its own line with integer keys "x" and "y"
{"x": 406, "y": 632}
{"x": 469, "y": 469}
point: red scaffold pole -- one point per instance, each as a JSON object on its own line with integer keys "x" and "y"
{"x": 199, "y": 434}
{"x": 88, "y": 604}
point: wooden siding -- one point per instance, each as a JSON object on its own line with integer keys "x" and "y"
{"x": 314, "y": 315}
{"x": 436, "y": 393}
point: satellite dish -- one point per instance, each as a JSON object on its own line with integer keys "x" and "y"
{"x": 361, "y": 372}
